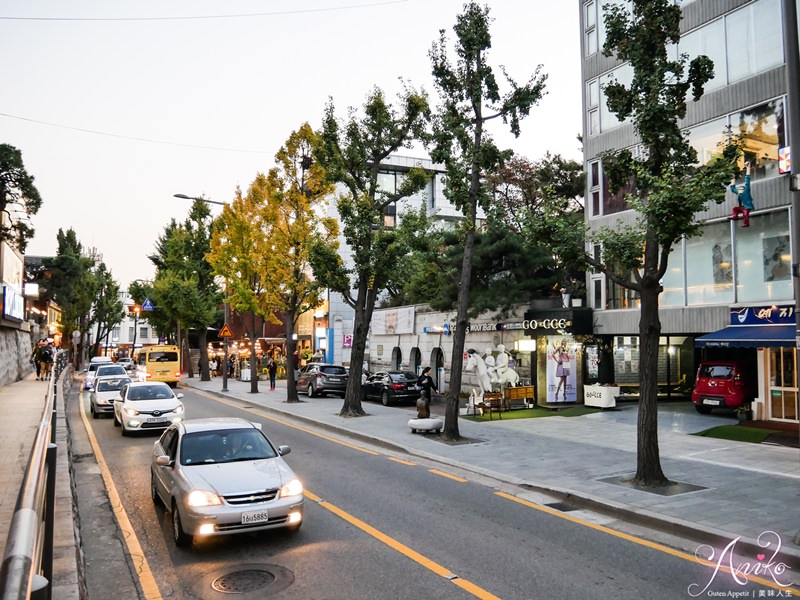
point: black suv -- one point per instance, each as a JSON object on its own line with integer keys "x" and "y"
{"x": 319, "y": 379}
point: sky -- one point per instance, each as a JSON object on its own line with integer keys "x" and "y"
{"x": 116, "y": 107}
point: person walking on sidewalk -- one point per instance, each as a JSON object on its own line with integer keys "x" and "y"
{"x": 428, "y": 386}
{"x": 45, "y": 355}
{"x": 35, "y": 359}
{"x": 272, "y": 369}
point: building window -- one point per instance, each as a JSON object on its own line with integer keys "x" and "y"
{"x": 131, "y": 332}
{"x": 754, "y": 39}
{"x": 115, "y": 334}
{"x": 143, "y": 333}
{"x": 390, "y": 215}
{"x": 590, "y": 27}
{"x": 763, "y": 259}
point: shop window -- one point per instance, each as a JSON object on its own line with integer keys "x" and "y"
{"x": 710, "y": 278}
{"x": 762, "y": 132}
{"x": 763, "y": 263}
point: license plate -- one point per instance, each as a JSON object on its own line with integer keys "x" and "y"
{"x": 710, "y": 402}
{"x": 334, "y": 379}
{"x": 157, "y": 420}
{"x": 256, "y": 516}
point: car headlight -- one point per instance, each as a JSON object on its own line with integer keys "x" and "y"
{"x": 203, "y": 498}
{"x": 178, "y": 410}
{"x": 293, "y": 488}
{"x": 131, "y": 412}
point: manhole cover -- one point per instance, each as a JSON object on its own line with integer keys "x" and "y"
{"x": 247, "y": 581}
{"x": 241, "y": 582}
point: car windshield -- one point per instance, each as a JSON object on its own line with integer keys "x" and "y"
{"x": 112, "y": 385}
{"x": 333, "y": 370}
{"x": 112, "y": 370}
{"x": 402, "y": 377}
{"x": 717, "y": 371}
{"x": 224, "y": 446}
{"x": 149, "y": 392}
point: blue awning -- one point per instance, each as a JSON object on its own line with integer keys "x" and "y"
{"x": 749, "y": 336}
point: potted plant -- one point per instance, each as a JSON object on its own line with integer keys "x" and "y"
{"x": 744, "y": 412}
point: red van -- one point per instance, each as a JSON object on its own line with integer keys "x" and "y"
{"x": 722, "y": 384}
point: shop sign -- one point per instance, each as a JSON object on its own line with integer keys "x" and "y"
{"x": 763, "y": 315}
{"x": 443, "y": 329}
{"x": 13, "y": 304}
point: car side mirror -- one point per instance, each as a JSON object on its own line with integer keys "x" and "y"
{"x": 179, "y": 396}
{"x": 163, "y": 461}
{"x": 284, "y": 450}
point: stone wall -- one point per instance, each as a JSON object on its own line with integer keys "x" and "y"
{"x": 15, "y": 353}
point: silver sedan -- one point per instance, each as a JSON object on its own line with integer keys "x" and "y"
{"x": 220, "y": 476}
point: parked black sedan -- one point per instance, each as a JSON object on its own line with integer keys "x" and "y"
{"x": 391, "y": 387}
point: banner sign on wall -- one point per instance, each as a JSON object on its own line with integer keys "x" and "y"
{"x": 561, "y": 369}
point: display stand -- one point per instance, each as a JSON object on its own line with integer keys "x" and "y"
{"x": 600, "y": 396}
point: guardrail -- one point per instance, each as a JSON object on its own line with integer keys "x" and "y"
{"x": 27, "y": 569}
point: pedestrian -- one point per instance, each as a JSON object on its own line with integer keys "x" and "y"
{"x": 272, "y": 368}
{"x": 212, "y": 366}
{"x": 35, "y": 359}
{"x": 45, "y": 357}
{"x": 427, "y": 384}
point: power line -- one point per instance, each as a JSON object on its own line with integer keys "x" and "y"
{"x": 201, "y": 17}
{"x": 129, "y": 137}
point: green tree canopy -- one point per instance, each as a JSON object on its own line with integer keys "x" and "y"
{"x": 351, "y": 153}
{"x": 19, "y": 198}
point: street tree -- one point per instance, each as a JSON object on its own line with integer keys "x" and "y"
{"x": 470, "y": 97}
{"x": 241, "y": 255}
{"x": 351, "y": 154}
{"x": 108, "y": 311}
{"x": 296, "y": 188}
{"x": 19, "y": 199}
{"x": 667, "y": 187}
{"x": 72, "y": 285}
{"x": 184, "y": 284}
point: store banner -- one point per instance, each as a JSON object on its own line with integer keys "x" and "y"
{"x": 391, "y": 321}
{"x": 561, "y": 369}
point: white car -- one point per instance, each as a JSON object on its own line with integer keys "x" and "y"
{"x": 105, "y": 389}
{"x": 127, "y": 363}
{"x": 221, "y": 476}
{"x": 144, "y": 406}
{"x": 91, "y": 371}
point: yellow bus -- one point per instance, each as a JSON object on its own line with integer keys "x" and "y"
{"x": 159, "y": 363}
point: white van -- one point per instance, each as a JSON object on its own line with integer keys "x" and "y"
{"x": 95, "y": 362}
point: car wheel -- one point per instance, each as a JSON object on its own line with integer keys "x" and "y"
{"x": 703, "y": 410}
{"x": 116, "y": 420}
{"x": 385, "y": 398}
{"x": 153, "y": 491}
{"x": 181, "y": 538}
{"x": 310, "y": 390}
{"x": 94, "y": 413}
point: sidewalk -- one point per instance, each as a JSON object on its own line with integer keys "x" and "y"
{"x": 22, "y": 406}
{"x": 730, "y": 489}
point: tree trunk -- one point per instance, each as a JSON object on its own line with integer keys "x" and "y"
{"x": 365, "y": 303}
{"x": 291, "y": 346}
{"x": 253, "y": 357}
{"x": 202, "y": 340}
{"x": 648, "y": 462}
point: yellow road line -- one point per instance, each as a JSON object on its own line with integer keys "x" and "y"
{"x": 146, "y": 579}
{"x": 418, "y": 558}
{"x": 637, "y": 540}
{"x": 402, "y": 462}
{"x": 453, "y": 477}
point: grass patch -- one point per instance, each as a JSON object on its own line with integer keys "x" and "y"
{"x": 738, "y": 433}
{"x": 534, "y": 413}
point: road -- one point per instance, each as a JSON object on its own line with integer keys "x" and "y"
{"x": 383, "y": 525}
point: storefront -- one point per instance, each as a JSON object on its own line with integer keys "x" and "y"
{"x": 558, "y": 348}
{"x": 766, "y": 335}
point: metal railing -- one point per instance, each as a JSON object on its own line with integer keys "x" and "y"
{"x": 27, "y": 569}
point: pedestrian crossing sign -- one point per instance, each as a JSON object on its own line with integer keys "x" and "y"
{"x": 225, "y": 332}
{"x": 147, "y": 304}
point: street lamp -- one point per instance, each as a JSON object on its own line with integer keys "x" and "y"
{"x": 206, "y": 200}
{"x": 136, "y": 310}
{"x": 227, "y": 306}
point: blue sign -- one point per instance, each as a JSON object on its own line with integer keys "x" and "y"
{"x": 763, "y": 315}
{"x": 446, "y": 329}
{"x": 147, "y": 304}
